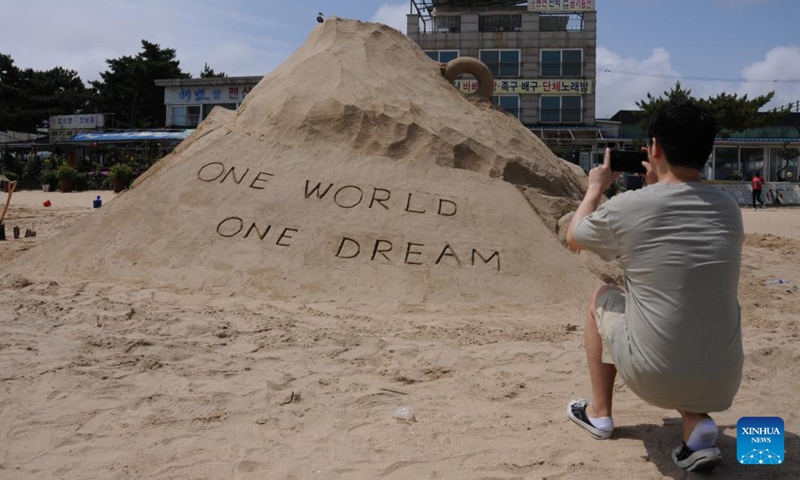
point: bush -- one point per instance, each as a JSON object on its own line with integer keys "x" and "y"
{"x": 49, "y": 177}
{"x": 121, "y": 172}
{"x": 67, "y": 172}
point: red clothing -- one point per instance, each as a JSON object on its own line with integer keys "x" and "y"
{"x": 757, "y": 182}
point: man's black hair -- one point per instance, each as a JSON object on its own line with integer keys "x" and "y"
{"x": 685, "y": 131}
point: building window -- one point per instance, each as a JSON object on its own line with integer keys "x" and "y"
{"x": 185, "y": 116}
{"x": 562, "y": 63}
{"x": 560, "y": 109}
{"x": 447, "y": 24}
{"x": 207, "y": 107}
{"x": 726, "y": 163}
{"x": 502, "y": 63}
{"x": 752, "y": 161}
{"x": 442, "y": 56}
{"x": 782, "y": 169}
{"x": 509, "y": 103}
{"x": 560, "y": 23}
{"x": 500, "y": 23}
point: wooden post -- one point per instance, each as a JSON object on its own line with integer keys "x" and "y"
{"x": 11, "y": 187}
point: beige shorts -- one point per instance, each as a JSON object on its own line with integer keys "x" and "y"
{"x": 609, "y": 309}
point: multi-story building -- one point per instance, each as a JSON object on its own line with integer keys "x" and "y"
{"x": 542, "y": 54}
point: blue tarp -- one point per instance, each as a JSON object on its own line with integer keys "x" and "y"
{"x": 130, "y": 136}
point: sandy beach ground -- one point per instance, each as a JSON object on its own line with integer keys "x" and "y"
{"x": 106, "y": 381}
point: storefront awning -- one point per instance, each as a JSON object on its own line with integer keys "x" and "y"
{"x": 130, "y": 136}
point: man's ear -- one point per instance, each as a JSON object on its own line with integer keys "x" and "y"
{"x": 655, "y": 149}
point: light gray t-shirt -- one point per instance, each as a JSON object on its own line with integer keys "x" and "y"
{"x": 679, "y": 344}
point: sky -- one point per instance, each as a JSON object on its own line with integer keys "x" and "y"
{"x": 746, "y": 47}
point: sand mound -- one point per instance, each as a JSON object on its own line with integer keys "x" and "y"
{"x": 354, "y": 173}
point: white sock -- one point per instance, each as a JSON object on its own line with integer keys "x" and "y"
{"x": 703, "y": 436}
{"x": 602, "y": 423}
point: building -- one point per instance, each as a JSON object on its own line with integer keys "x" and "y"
{"x": 189, "y": 101}
{"x": 542, "y": 54}
{"x": 737, "y": 154}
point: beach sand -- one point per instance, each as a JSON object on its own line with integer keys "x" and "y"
{"x": 101, "y": 380}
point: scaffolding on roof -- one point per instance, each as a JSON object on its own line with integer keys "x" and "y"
{"x": 426, "y": 9}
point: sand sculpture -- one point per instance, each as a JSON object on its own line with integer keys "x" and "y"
{"x": 354, "y": 173}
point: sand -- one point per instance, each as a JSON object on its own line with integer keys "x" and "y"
{"x": 171, "y": 334}
{"x": 382, "y": 188}
{"x": 101, "y": 380}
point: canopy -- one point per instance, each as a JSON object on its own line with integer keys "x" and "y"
{"x": 131, "y": 136}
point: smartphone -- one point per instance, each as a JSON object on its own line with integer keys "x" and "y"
{"x": 629, "y": 161}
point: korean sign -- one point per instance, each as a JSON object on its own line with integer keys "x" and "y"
{"x": 77, "y": 122}
{"x": 521, "y": 86}
{"x": 561, "y": 5}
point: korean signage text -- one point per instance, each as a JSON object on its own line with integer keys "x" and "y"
{"x": 520, "y": 86}
{"x": 216, "y": 94}
{"x": 561, "y": 5}
{"x": 77, "y": 122}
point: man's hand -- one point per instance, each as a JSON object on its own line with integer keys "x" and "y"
{"x": 601, "y": 177}
{"x": 650, "y": 177}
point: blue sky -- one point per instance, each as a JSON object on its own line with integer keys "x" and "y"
{"x": 643, "y": 45}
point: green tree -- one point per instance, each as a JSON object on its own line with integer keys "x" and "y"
{"x": 733, "y": 113}
{"x": 128, "y": 90}
{"x": 209, "y": 72}
{"x": 28, "y": 98}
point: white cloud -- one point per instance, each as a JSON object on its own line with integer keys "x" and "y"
{"x": 620, "y": 82}
{"x": 780, "y": 63}
{"x": 623, "y": 81}
{"x": 236, "y": 41}
{"x": 393, "y": 15}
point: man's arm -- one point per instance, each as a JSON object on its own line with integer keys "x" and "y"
{"x": 600, "y": 177}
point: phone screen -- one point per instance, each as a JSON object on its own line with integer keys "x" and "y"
{"x": 628, "y": 161}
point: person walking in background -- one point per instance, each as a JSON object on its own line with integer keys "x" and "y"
{"x": 758, "y": 186}
{"x": 674, "y": 332}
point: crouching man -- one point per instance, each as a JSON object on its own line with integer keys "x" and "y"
{"x": 673, "y": 333}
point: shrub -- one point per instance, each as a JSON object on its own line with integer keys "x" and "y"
{"x": 67, "y": 172}
{"x": 120, "y": 171}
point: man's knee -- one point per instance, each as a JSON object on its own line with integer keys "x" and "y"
{"x": 596, "y": 294}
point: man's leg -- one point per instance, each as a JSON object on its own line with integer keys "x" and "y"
{"x": 601, "y": 374}
{"x": 690, "y": 421}
{"x": 698, "y": 450}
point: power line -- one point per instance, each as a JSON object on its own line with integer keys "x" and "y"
{"x": 704, "y": 79}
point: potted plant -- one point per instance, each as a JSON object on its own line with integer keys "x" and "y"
{"x": 67, "y": 174}
{"x": 49, "y": 179}
{"x": 119, "y": 176}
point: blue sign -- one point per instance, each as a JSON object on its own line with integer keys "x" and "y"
{"x": 759, "y": 440}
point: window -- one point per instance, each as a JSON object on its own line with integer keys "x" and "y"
{"x": 207, "y": 107}
{"x": 442, "y": 56}
{"x": 502, "y": 63}
{"x": 562, "y": 63}
{"x": 782, "y": 169}
{"x": 560, "y": 23}
{"x": 185, "y": 116}
{"x": 560, "y": 109}
{"x": 752, "y": 161}
{"x": 500, "y": 23}
{"x": 726, "y": 163}
{"x": 447, "y": 24}
{"x": 509, "y": 103}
